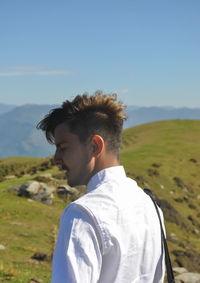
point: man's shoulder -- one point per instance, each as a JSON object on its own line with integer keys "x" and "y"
{"x": 111, "y": 197}
{"x": 110, "y": 191}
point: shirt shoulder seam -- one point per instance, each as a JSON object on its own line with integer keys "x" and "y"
{"x": 101, "y": 233}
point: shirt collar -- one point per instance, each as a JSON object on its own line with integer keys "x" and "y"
{"x": 115, "y": 172}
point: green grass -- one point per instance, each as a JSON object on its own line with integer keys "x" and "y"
{"x": 26, "y": 228}
{"x": 19, "y": 166}
{"x": 172, "y": 145}
{"x": 30, "y": 227}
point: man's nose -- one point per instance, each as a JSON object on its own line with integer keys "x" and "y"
{"x": 57, "y": 160}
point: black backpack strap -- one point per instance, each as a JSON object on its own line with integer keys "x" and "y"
{"x": 170, "y": 274}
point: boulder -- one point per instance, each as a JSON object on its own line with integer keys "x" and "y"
{"x": 40, "y": 256}
{"x": 153, "y": 172}
{"x": 186, "y": 188}
{"x": 179, "y": 270}
{"x": 10, "y": 177}
{"x": 141, "y": 180}
{"x": 36, "y": 280}
{"x": 13, "y": 189}
{"x": 171, "y": 214}
{"x": 188, "y": 277}
{"x": 45, "y": 194}
{"x": 44, "y": 178}
{"x": 46, "y": 175}
{"x": 2, "y": 247}
{"x": 29, "y": 189}
{"x": 36, "y": 191}
{"x": 65, "y": 190}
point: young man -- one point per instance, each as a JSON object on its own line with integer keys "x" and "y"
{"x": 111, "y": 234}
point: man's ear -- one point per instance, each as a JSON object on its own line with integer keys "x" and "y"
{"x": 98, "y": 145}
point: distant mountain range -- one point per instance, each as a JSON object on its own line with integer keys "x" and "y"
{"x": 6, "y": 107}
{"x": 142, "y": 115}
{"x": 19, "y": 136}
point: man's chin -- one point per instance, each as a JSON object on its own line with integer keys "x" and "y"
{"x": 71, "y": 183}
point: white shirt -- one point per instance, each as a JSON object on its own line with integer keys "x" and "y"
{"x": 110, "y": 235}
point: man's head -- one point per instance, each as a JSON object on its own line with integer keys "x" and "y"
{"x": 95, "y": 122}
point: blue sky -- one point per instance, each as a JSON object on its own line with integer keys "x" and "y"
{"x": 148, "y": 51}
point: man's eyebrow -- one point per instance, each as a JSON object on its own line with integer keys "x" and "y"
{"x": 60, "y": 143}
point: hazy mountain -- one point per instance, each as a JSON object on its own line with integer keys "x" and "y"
{"x": 6, "y": 108}
{"x": 19, "y": 136}
{"x": 141, "y": 115}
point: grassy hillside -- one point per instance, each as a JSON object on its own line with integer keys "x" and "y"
{"x": 27, "y": 227}
{"x": 19, "y": 136}
{"x": 164, "y": 156}
{"x": 22, "y": 165}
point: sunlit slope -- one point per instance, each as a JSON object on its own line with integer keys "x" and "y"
{"x": 165, "y": 156}
{"x": 27, "y": 227}
{"x": 19, "y": 166}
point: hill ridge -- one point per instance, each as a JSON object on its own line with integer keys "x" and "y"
{"x": 19, "y": 136}
{"x": 163, "y": 156}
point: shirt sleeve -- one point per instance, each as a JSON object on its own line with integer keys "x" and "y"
{"x": 77, "y": 256}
